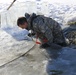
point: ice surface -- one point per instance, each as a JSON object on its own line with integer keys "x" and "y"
{"x": 14, "y": 43}
{"x": 64, "y": 64}
{"x": 37, "y": 61}
{"x": 17, "y": 33}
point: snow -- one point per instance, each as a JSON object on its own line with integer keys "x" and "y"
{"x": 58, "y": 11}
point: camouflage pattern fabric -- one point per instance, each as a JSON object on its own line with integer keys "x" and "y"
{"x": 46, "y": 27}
{"x": 70, "y": 34}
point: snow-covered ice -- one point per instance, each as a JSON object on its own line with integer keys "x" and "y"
{"x": 17, "y": 33}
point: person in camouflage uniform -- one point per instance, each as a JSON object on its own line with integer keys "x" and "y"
{"x": 45, "y": 28}
{"x": 70, "y": 32}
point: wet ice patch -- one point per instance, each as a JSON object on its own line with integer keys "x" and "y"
{"x": 65, "y": 64}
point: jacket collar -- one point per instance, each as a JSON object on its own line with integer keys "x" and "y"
{"x": 30, "y": 19}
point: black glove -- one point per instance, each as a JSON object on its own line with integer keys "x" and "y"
{"x": 31, "y": 34}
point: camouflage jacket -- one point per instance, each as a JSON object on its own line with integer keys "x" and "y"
{"x": 45, "y": 28}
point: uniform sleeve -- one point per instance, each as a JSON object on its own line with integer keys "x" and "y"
{"x": 43, "y": 28}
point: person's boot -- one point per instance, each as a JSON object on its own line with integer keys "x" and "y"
{"x": 62, "y": 44}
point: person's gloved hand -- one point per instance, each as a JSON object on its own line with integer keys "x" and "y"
{"x": 31, "y": 34}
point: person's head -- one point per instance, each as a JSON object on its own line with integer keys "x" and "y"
{"x": 22, "y": 22}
